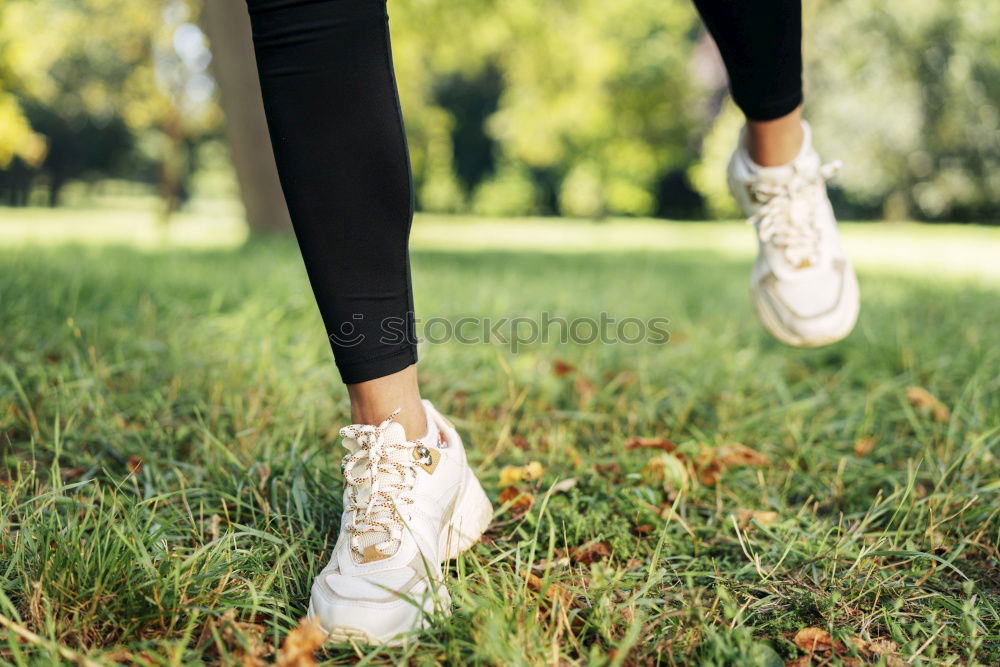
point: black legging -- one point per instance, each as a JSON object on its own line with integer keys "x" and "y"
{"x": 333, "y": 113}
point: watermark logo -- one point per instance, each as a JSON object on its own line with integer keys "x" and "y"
{"x": 513, "y": 333}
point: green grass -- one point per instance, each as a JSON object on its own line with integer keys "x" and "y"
{"x": 210, "y": 367}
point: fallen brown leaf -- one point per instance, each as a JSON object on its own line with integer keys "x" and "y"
{"x": 554, "y": 592}
{"x": 134, "y": 464}
{"x": 863, "y": 446}
{"x": 712, "y": 463}
{"x": 591, "y": 553}
{"x": 300, "y": 645}
{"x": 611, "y": 468}
{"x": 243, "y": 640}
{"x": 882, "y": 647}
{"x": 562, "y": 368}
{"x": 521, "y": 501}
{"x": 924, "y": 400}
{"x": 651, "y": 443}
{"x": 736, "y": 454}
{"x": 813, "y": 639}
{"x": 710, "y": 473}
{"x": 801, "y": 661}
{"x": 69, "y": 474}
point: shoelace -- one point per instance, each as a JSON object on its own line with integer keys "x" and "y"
{"x": 787, "y": 218}
{"x": 389, "y": 478}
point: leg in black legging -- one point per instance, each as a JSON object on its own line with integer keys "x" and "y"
{"x": 333, "y": 113}
{"x": 761, "y": 45}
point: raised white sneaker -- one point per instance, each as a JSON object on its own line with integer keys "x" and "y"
{"x": 409, "y": 505}
{"x": 803, "y": 288}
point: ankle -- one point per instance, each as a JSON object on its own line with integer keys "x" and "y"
{"x": 373, "y": 401}
{"x": 412, "y": 416}
{"x": 773, "y": 143}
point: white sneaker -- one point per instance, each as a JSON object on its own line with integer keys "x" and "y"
{"x": 803, "y": 288}
{"x": 408, "y": 507}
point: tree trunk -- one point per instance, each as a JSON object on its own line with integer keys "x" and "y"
{"x": 227, "y": 25}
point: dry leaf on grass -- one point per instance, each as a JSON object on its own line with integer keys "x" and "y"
{"x": 513, "y": 474}
{"x": 134, "y": 465}
{"x": 924, "y": 400}
{"x": 300, "y": 645}
{"x": 813, "y": 639}
{"x": 760, "y": 516}
{"x": 801, "y": 661}
{"x": 68, "y": 474}
{"x": 863, "y": 446}
{"x": 651, "y": 443}
{"x": 510, "y": 475}
{"x": 244, "y": 641}
{"x": 554, "y": 592}
{"x": 533, "y": 471}
{"x": 562, "y": 368}
{"x": 591, "y": 553}
{"x": 882, "y": 647}
{"x": 876, "y": 647}
{"x": 712, "y": 463}
{"x": 669, "y": 471}
{"x": 520, "y": 501}
{"x": 736, "y": 454}
{"x": 611, "y": 468}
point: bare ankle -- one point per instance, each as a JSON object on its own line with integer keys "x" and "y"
{"x": 772, "y": 143}
{"x": 374, "y": 400}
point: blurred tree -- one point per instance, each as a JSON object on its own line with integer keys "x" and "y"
{"x": 17, "y": 138}
{"x": 575, "y": 107}
{"x": 586, "y": 104}
{"x": 911, "y": 100}
{"x": 227, "y": 25}
{"x": 89, "y": 68}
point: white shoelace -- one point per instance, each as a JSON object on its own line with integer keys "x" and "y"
{"x": 374, "y": 495}
{"x": 787, "y": 218}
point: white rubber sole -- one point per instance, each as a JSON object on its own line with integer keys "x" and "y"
{"x": 470, "y": 518}
{"x": 774, "y": 326}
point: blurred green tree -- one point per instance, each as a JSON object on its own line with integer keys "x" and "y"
{"x": 908, "y": 94}
{"x": 572, "y": 107}
{"x": 113, "y": 86}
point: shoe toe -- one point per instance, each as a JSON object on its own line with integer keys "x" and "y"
{"x": 808, "y": 313}
{"x": 366, "y": 611}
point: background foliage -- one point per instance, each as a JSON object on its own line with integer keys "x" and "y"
{"x": 571, "y": 107}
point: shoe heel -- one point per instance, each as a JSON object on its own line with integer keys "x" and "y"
{"x": 472, "y": 516}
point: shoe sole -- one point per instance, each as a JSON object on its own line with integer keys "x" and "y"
{"x": 776, "y": 328}
{"x": 470, "y": 518}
